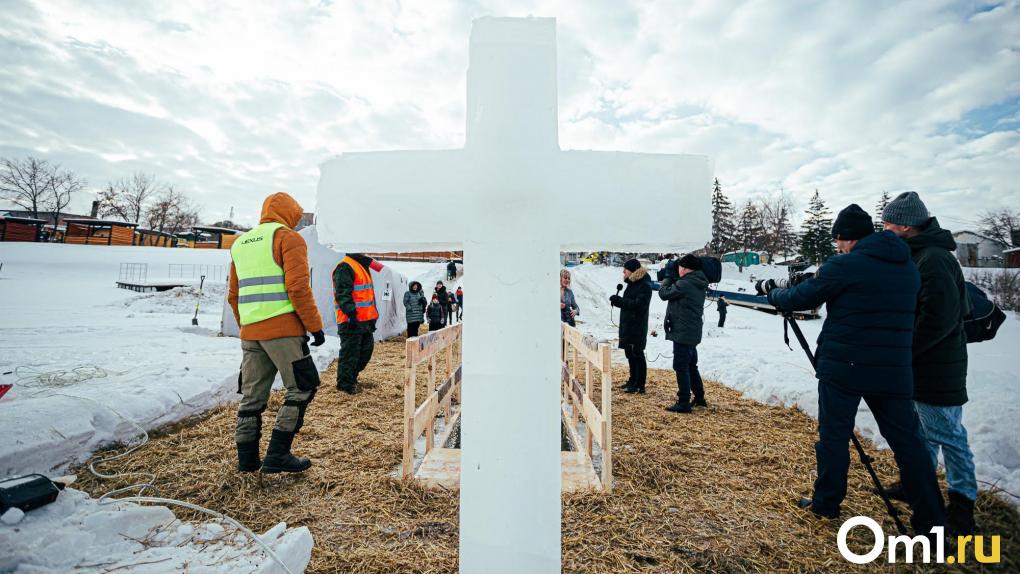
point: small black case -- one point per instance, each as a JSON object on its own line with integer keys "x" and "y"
{"x": 27, "y": 492}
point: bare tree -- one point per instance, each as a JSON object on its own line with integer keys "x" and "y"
{"x": 129, "y": 198}
{"x": 26, "y": 182}
{"x": 1002, "y": 225}
{"x": 171, "y": 211}
{"x": 63, "y": 185}
{"x": 774, "y": 212}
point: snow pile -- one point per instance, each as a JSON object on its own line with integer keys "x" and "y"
{"x": 179, "y": 300}
{"x": 77, "y": 533}
{"x": 749, "y": 355}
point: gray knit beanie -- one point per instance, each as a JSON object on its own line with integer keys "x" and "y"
{"x": 906, "y": 209}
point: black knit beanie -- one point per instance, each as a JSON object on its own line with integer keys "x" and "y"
{"x": 852, "y": 223}
{"x": 632, "y": 265}
{"x": 690, "y": 262}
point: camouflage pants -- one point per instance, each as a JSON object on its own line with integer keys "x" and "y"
{"x": 290, "y": 356}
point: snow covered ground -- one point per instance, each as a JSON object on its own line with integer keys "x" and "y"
{"x": 78, "y": 534}
{"x": 748, "y": 354}
{"x": 90, "y": 363}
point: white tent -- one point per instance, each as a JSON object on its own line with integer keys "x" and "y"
{"x": 389, "y": 292}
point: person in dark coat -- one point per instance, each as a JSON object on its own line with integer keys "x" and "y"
{"x": 633, "y": 306}
{"x": 436, "y": 314}
{"x": 357, "y": 339}
{"x": 939, "y": 351}
{"x": 568, "y": 304}
{"x": 460, "y": 303}
{"x": 451, "y": 271}
{"x": 684, "y": 323}
{"x": 721, "y": 305}
{"x": 414, "y": 308}
{"x": 444, "y": 299}
{"x": 864, "y": 351}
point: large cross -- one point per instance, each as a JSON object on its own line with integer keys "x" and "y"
{"x": 512, "y": 200}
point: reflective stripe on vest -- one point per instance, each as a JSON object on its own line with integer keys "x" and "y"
{"x": 261, "y": 285}
{"x": 363, "y": 294}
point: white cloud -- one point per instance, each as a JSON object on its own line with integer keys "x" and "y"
{"x": 232, "y": 100}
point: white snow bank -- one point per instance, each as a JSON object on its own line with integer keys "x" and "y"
{"x": 748, "y": 355}
{"x": 76, "y": 533}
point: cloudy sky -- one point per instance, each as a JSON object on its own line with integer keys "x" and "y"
{"x": 233, "y": 100}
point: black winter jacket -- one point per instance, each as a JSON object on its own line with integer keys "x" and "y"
{"x": 940, "y": 344}
{"x": 634, "y": 310}
{"x": 686, "y": 308}
{"x": 436, "y": 313}
{"x": 444, "y": 296}
{"x": 869, "y": 294}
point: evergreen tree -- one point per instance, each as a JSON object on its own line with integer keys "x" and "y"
{"x": 816, "y": 239}
{"x": 723, "y": 227}
{"x": 879, "y": 208}
{"x": 750, "y": 231}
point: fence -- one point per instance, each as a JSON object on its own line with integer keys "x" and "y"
{"x": 598, "y": 424}
{"x": 421, "y": 418}
{"x": 195, "y": 271}
{"x": 137, "y": 273}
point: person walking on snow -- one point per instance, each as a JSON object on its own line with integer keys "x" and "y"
{"x": 444, "y": 300}
{"x": 684, "y": 322}
{"x": 436, "y": 314}
{"x": 633, "y": 306}
{"x": 939, "y": 352}
{"x": 721, "y": 306}
{"x": 864, "y": 352}
{"x": 451, "y": 271}
{"x": 414, "y": 308}
{"x": 356, "y": 313}
{"x": 270, "y": 294}
{"x": 568, "y": 304}
{"x": 460, "y": 303}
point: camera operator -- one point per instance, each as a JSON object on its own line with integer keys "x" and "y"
{"x": 864, "y": 351}
{"x": 684, "y": 289}
{"x": 634, "y": 322}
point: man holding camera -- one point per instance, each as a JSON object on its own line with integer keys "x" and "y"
{"x": 940, "y": 351}
{"x": 864, "y": 351}
{"x": 633, "y": 306}
{"x": 683, "y": 286}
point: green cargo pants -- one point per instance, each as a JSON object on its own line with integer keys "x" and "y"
{"x": 290, "y": 356}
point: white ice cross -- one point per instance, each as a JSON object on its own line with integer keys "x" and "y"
{"x": 512, "y": 200}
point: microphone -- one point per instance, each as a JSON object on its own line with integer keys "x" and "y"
{"x": 619, "y": 287}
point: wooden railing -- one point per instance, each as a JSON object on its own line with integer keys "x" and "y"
{"x": 420, "y": 419}
{"x": 598, "y": 424}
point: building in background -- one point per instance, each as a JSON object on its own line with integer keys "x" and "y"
{"x": 976, "y": 250}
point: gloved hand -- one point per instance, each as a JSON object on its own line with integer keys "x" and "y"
{"x": 763, "y": 286}
{"x": 616, "y": 301}
{"x": 352, "y": 322}
{"x": 319, "y": 337}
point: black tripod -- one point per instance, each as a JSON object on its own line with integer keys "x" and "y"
{"x": 865, "y": 458}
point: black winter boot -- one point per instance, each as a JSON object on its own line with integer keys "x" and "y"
{"x": 679, "y": 407}
{"x": 248, "y": 456}
{"x": 895, "y": 491}
{"x": 278, "y": 456}
{"x": 700, "y": 402}
{"x": 960, "y": 515}
{"x": 807, "y": 504}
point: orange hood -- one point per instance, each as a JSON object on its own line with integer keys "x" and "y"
{"x": 281, "y": 208}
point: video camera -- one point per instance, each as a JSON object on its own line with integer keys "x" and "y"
{"x": 670, "y": 270}
{"x": 796, "y": 277}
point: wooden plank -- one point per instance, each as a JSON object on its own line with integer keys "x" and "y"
{"x": 587, "y": 394}
{"x": 429, "y": 431}
{"x": 407, "y": 460}
{"x": 578, "y": 475}
{"x": 423, "y": 347}
{"x": 607, "y": 416}
{"x": 586, "y": 344}
{"x": 592, "y": 419}
{"x": 424, "y": 415}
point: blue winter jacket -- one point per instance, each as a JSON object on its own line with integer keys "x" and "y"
{"x": 869, "y": 294}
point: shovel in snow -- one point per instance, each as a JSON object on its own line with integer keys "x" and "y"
{"x": 201, "y": 282}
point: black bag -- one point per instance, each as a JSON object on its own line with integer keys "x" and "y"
{"x": 712, "y": 268}
{"x": 985, "y": 316}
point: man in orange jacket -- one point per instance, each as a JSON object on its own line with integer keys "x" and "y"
{"x": 356, "y": 313}
{"x": 272, "y": 301}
